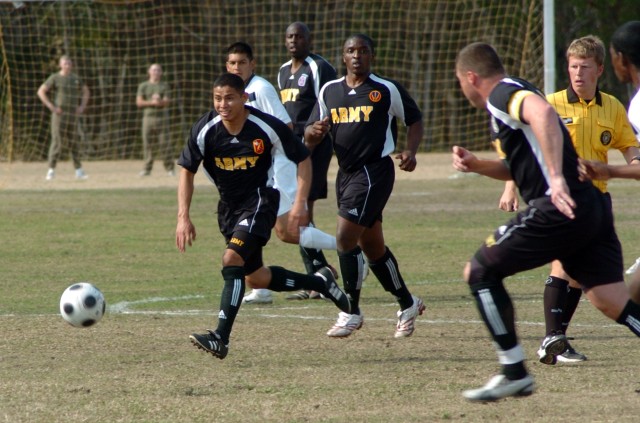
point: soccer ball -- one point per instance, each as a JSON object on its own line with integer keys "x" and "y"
{"x": 82, "y": 305}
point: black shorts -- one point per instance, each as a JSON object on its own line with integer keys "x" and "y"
{"x": 255, "y": 214}
{"x": 587, "y": 246}
{"x": 362, "y": 195}
{"x": 320, "y": 160}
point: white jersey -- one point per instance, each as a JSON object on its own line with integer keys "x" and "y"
{"x": 634, "y": 114}
{"x": 263, "y": 96}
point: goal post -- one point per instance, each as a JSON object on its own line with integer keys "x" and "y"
{"x": 112, "y": 43}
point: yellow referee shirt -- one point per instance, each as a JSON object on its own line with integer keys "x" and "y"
{"x": 596, "y": 126}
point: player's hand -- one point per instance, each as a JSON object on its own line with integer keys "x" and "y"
{"x": 561, "y": 198}
{"x": 462, "y": 159}
{"x": 298, "y": 216}
{"x": 593, "y": 170}
{"x": 509, "y": 201}
{"x": 407, "y": 161}
{"x": 320, "y": 127}
{"x": 185, "y": 234}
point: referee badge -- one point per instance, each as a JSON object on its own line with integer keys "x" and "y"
{"x": 375, "y": 96}
{"x": 258, "y": 146}
{"x": 605, "y": 137}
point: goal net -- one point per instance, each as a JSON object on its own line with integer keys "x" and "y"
{"x": 112, "y": 43}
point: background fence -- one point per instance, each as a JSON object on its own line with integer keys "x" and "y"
{"x": 112, "y": 44}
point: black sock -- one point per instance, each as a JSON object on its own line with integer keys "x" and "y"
{"x": 388, "y": 273}
{"x": 230, "y": 300}
{"x": 630, "y": 317}
{"x": 496, "y": 309}
{"x": 554, "y": 300}
{"x": 313, "y": 259}
{"x": 573, "y": 299}
{"x": 350, "y": 263}
{"x": 283, "y": 280}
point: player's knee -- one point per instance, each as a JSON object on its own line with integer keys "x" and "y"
{"x": 231, "y": 258}
{"x": 479, "y": 276}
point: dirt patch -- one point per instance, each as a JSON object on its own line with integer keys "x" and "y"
{"x": 124, "y": 174}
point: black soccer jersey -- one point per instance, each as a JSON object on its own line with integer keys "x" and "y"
{"x": 515, "y": 140}
{"x": 239, "y": 165}
{"x": 299, "y": 91}
{"x": 363, "y": 119}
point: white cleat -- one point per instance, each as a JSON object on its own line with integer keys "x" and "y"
{"x": 407, "y": 318}
{"x": 345, "y": 325}
{"x": 500, "y": 387}
{"x": 258, "y": 296}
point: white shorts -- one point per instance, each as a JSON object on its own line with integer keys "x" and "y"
{"x": 285, "y": 178}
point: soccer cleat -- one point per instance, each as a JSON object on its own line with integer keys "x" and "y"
{"x": 300, "y": 295}
{"x": 571, "y": 356}
{"x": 552, "y": 346}
{"x": 51, "y": 173}
{"x": 333, "y": 291}
{"x": 345, "y": 325}
{"x": 258, "y": 296}
{"x": 501, "y": 387}
{"x": 407, "y": 318}
{"x": 634, "y": 267}
{"x": 211, "y": 343}
{"x": 144, "y": 173}
{"x": 81, "y": 175}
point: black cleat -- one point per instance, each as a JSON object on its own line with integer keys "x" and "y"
{"x": 211, "y": 343}
{"x": 552, "y": 346}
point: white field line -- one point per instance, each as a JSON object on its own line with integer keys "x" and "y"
{"x": 270, "y": 312}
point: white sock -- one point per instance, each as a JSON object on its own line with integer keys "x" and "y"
{"x": 311, "y": 237}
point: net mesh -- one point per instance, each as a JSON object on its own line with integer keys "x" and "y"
{"x": 112, "y": 43}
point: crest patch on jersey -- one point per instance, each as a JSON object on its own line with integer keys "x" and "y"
{"x": 605, "y": 137}
{"x": 258, "y": 146}
{"x": 302, "y": 80}
{"x": 375, "y": 96}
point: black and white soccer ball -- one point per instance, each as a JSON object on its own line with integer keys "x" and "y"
{"x": 82, "y": 305}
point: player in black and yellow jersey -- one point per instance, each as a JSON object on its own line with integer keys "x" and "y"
{"x": 567, "y": 219}
{"x": 360, "y": 113}
{"x": 597, "y": 123}
{"x": 235, "y": 145}
{"x": 299, "y": 82}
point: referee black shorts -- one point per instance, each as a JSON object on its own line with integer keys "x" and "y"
{"x": 587, "y": 246}
{"x": 363, "y": 194}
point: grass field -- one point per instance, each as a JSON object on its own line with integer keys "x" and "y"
{"x": 137, "y": 364}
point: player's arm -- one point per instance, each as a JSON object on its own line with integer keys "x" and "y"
{"x": 408, "y": 156}
{"x": 632, "y": 155}
{"x": 299, "y": 214}
{"x": 185, "y": 231}
{"x": 465, "y": 161}
{"x": 591, "y": 169}
{"x": 43, "y": 95}
{"x": 545, "y": 124}
{"x": 86, "y": 94}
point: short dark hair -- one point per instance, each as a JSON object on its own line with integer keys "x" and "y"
{"x": 480, "y": 58}
{"x": 229, "y": 80}
{"x": 364, "y": 37}
{"x": 626, "y": 40}
{"x": 240, "y": 47}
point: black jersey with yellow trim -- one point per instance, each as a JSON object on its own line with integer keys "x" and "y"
{"x": 299, "y": 90}
{"x": 239, "y": 164}
{"x": 364, "y": 119}
{"x": 521, "y": 150}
